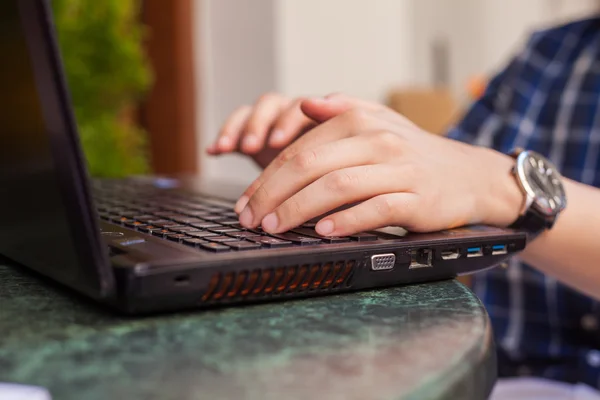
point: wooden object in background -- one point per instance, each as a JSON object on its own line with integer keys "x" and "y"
{"x": 432, "y": 109}
{"x": 169, "y": 112}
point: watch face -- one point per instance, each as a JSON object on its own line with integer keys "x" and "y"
{"x": 542, "y": 182}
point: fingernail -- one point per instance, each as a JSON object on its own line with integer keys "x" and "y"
{"x": 224, "y": 142}
{"x": 246, "y": 217}
{"x": 241, "y": 203}
{"x": 250, "y": 141}
{"x": 277, "y": 136}
{"x": 325, "y": 228}
{"x": 270, "y": 222}
{"x": 321, "y": 100}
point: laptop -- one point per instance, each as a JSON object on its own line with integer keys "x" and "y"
{"x": 154, "y": 244}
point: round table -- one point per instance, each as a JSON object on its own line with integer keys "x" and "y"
{"x": 425, "y": 341}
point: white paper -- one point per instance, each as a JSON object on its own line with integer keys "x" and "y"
{"x": 11, "y": 391}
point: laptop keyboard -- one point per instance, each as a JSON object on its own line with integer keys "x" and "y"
{"x": 195, "y": 220}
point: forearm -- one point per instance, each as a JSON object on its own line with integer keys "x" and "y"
{"x": 570, "y": 251}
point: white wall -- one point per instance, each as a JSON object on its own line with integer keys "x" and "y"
{"x": 358, "y": 47}
{"x": 235, "y": 54}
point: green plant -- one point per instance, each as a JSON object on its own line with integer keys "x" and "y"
{"x": 101, "y": 46}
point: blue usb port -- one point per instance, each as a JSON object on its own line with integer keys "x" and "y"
{"x": 474, "y": 252}
{"x": 499, "y": 249}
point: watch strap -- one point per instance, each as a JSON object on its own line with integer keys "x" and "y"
{"x": 532, "y": 223}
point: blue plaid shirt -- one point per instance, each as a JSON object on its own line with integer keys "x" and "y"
{"x": 547, "y": 99}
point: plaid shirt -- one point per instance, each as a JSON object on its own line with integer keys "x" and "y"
{"x": 547, "y": 99}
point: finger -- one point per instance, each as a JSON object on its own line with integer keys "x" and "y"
{"x": 265, "y": 113}
{"x": 336, "y": 189}
{"x": 228, "y": 138}
{"x": 303, "y": 169}
{"x": 334, "y": 129}
{"x": 290, "y": 124}
{"x": 322, "y": 109}
{"x": 394, "y": 209}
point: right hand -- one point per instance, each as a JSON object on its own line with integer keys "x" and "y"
{"x": 262, "y": 130}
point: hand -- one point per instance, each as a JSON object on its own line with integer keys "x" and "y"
{"x": 274, "y": 121}
{"x": 398, "y": 175}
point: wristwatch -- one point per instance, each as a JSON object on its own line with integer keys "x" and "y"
{"x": 543, "y": 190}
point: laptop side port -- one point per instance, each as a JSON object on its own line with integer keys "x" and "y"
{"x": 382, "y": 262}
{"x": 450, "y": 254}
{"x": 421, "y": 258}
{"x": 499, "y": 249}
{"x": 474, "y": 252}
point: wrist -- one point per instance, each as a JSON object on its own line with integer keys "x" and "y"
{"x": 501, "y": 198}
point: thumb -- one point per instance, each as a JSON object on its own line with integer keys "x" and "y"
{"x": 321, "y": 109}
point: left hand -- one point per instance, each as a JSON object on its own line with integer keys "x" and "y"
{"x": 400, "y": 175}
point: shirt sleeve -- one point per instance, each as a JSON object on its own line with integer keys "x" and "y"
{"x": 486, "y": 121}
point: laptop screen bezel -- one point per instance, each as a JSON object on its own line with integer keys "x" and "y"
{"x": 95, "y": 275}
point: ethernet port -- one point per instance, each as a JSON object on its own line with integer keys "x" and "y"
{"x": 421, "y": 258}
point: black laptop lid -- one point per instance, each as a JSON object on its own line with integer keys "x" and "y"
{"x": 46, "y": 219}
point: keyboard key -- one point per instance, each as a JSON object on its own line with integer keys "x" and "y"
{"x": 114, "y": 210}
{"x": 216, "y": 209}
{"x": 188, "y": 220}
{"x": 198, "y": 214}
{"x": 117, "y": 219}
{"x": 223, "y": 230}
{"x": 216, "y": 247}
{"x": 230, "y": 214}
{"x": 212, "y": 218}
{"x": 196, "y": 207}
{"x": 364, "y": 237}
{"x": 149, "y": 228}
{"x": 168, "y": 224}
{"x": 206, "y": 225}
{"x": 297, "y": 239}
{"x": 201, "y": 234}
{"x": 149, "y": 210}
{"x": 130, "y": 213}
{"x": 176, "y": 237}
{"x": 186, "y": 229}
{"x": 230, "y": 222}
{"x": 194, "y": 242}
{"x": 220, "y": 239}
{"x": 135, "y": 224}
{"x": 159, "y": 222}
{"x": 243, "y": 245}
{"x": 161, "y": 232}
{"x": 242, "y": 234}
{"x": 314, "y": 234}
{"x": 144, "y": 218}
{"x": 271, "y": 241}
{"x": 169, "y": 215}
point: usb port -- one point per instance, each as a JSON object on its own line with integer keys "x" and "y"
{"x": 499, "y": 249}
{"x": 451, "y": 254}
{"x": 474, "y": 252}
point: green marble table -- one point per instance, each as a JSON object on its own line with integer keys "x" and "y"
{"x": 428, "y": 341}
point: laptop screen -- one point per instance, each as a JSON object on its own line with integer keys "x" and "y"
{"x": 46, "y": 222}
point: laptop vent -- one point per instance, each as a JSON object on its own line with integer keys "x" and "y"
{"x": 281, "y": 281}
